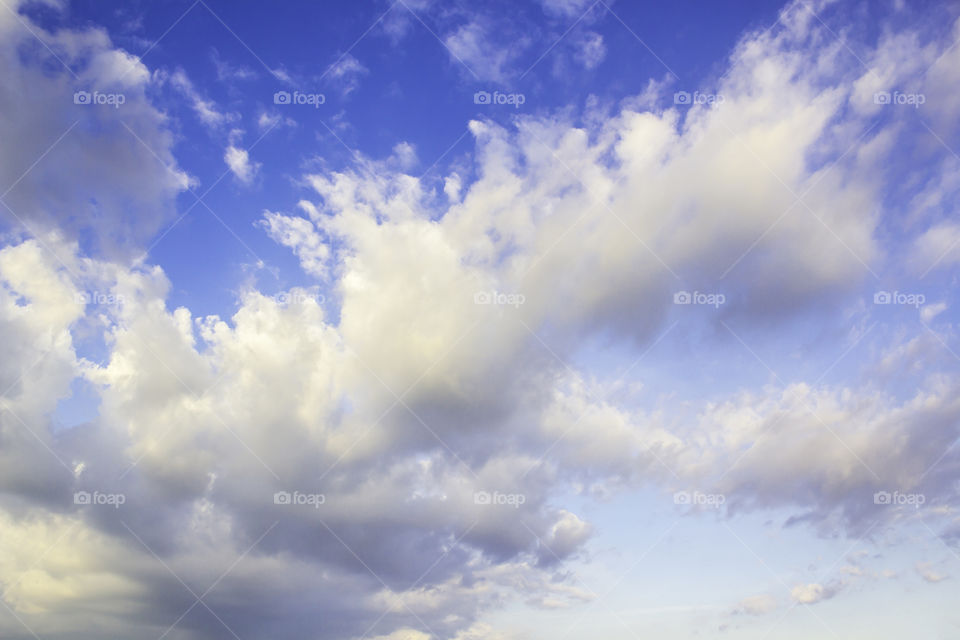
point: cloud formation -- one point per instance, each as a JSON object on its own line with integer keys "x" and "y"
{"x": 84, "y": 147}
{"x": 385, "y": 454}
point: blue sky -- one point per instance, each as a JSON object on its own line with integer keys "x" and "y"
{"x": 410, "y": 90}
{"x": 426, "y": 320}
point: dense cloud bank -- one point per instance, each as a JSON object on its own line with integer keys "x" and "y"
{"x": 400, "y": 465}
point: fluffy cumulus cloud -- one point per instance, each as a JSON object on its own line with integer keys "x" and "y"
{"x": 389, "y": 460}
{"x": 39, "y": 305}
{"x": 239, "y": 163}
{"x": 82, "y": 143}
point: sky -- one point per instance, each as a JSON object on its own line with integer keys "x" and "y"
{"x": 500, "y": 320}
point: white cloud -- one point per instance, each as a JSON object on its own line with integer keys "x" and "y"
{"x": 925, "y": 570}
{"x": 202, "y": 420}
{"x": 268, "y": 120}
{"x": 227, "y": 72}
{"x": 299, "y": 234}
{"x": 592, "y": 50}
{"x": 407, "y": 274}
{"x": 109, "y": 165}
{"x": 937, "y": 248}
{"x": 405, "y": 634}
{"x": 756, "y": 605}
{"x": 405, "y": 155}
{"x": 569, "y": 8}
{"x": 470, "y": 45}
{"x": 811, "y": 593}
{"x": 207, "y": 110}
{"x": 346, "y": 73}
{"x": 931, "y": 311}
{"x": 239, "y": 162}
{"x": 38, "y": 306}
